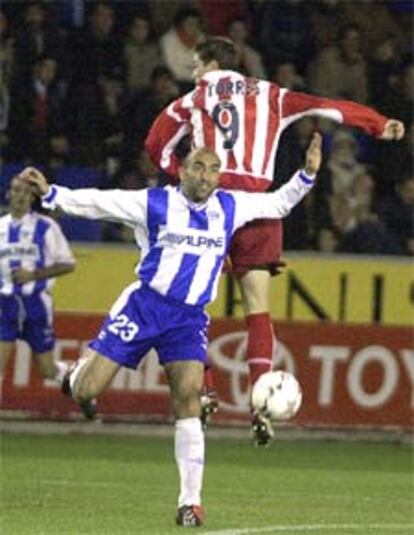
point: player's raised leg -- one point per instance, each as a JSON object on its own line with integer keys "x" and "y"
{"x": 255, "y": 287}
{"x": 89, "y": 376}
{"x": 186, "y": 379}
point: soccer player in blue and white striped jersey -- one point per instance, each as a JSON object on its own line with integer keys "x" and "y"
{"x": 183, "y": 233}
{"x": 33, "y": 251}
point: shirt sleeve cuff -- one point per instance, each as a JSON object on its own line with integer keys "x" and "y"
{"x": 305, "y": 178}
{"x": 48, "y": 200}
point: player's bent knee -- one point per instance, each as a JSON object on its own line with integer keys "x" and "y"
{"x": 91, "y": 375}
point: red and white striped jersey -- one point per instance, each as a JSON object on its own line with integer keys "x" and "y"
{"x": 242, "y": 119}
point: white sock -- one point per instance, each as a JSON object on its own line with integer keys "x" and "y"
{"x": 189, "y": 455}
{"x": 62, "y": 369}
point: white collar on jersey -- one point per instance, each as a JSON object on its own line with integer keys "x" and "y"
{"x": 198, "y": 206}
{"x": 20, "y": 220}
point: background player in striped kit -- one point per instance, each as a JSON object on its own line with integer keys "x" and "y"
{"x": 183, "y": 233}
{"x": 242, "y": 119}
{"x": 33, "y": 251}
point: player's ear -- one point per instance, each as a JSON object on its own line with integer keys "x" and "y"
{"x": 181, "y": 172}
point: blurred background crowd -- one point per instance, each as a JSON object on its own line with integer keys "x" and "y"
{"x": 82, "y": 81}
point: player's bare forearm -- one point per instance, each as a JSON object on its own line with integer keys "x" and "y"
{"x": 37, "y": 179}
{"x": 314, "y": 155}
{"x": 21, "y": 275}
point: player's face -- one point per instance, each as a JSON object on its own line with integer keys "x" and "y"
{"x": 200, "y": 68}
{"x": 20, "y": 197}
{"x": 200, "y": 175}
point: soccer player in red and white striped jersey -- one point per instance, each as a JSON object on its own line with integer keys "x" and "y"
{"x": 242, "y": 119}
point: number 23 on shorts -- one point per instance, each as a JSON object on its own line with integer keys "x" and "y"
{"x": 124, "y": 328}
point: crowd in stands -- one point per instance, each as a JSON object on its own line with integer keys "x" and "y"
{"x": 82, "y": 81}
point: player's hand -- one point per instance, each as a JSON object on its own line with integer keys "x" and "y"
{"x": 393, "y": 130}
{"x": 314, "y": 155}
{"x": 20, "y": 276}
{"x": 37, "y": 179}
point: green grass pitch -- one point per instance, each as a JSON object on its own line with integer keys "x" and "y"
{"x": 110, "y": 485}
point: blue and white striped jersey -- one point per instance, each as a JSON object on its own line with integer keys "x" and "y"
{"x": 32, "y": 242}
{"x": 183, "y": 244}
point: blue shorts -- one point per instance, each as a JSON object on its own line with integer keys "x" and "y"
{"x": 29, "y": 318}
{"x": 142, "y": 319}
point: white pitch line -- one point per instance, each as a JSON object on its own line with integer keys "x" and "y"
{"x": 312, "y": 527}
{"x": 336, "y": 497}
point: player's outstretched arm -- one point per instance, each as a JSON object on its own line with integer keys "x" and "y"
{"x": 296, "y": 105}
{"x": 128, "y": 207}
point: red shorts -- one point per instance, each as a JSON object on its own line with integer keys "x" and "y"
{"x": 256, "y": 245}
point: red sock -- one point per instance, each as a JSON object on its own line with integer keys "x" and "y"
{"x": 208, "y": 378}
{"x": 260, "y": 340}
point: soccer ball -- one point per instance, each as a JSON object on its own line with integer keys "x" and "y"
{"x": 277, "y": 395}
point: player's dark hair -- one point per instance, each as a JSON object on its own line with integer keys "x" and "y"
{"x": 220, "y": 49}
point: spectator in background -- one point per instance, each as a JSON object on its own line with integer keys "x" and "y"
{"x": 353, "y": 216}
{"x": 327, "y": 240}
{"x": 141, "y": 53}
{"x": 37, "y": 36}
{"x": 340, "y": 71}
{"x": 362, "y": 194}
{"x": 218, "y": 14}
{"x": 368, "y": 236}
{"x": 286, "y": 75}
{"x": 97, "y": 48}
{"x": 374, "y": 20}
{"x": 286, "y": 32}
{"x": 162, "y": 13}
{"x": 332, "y": 197}
{"x": 6, "y": 69}
{"x": 38, "y": 115}
{"x": 326, "y": 16}
{"x": 6, "y": 54}
{"x": 383, "y": 70}
{"x": 397, "y": 213}
{"x": 342, "y": 166}
{"x": 250, "y": 60}
{"x": 178, "y": 45}
{"x": 401, "y": 98}
{"x": 146, "y": 105}
{"x": 97, "y": 118}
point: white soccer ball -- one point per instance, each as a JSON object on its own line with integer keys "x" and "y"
{"x": 277, "y": 395}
